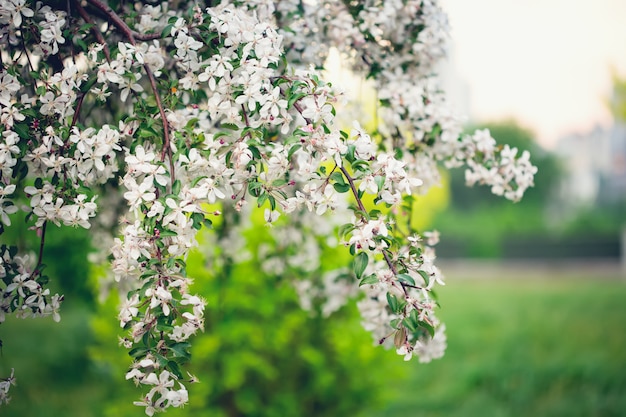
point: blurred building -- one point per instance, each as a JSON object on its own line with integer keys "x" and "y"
{"x": 594, "y": 165}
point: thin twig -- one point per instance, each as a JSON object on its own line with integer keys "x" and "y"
{"x": 353, "y": 188}
{"x": 79, "y": 105}
{"x": 41, "y": 247}
{"x": 298, "y": 107}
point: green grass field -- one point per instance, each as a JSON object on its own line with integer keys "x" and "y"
{"x": 517, "y": 347}
{"x": 523, "y": 348}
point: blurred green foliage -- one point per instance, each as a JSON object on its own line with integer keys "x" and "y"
{"x": 617, "y": 101}
{"x": 519, "y": 347}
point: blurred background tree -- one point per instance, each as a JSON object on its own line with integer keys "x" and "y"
{"x": 617, "y": 101}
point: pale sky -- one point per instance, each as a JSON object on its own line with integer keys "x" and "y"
{"x": 546, "y": 63}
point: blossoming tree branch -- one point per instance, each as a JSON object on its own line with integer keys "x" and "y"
{"x": 180, "y": 107}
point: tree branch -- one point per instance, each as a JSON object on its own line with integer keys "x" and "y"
{"x": 41, "y": 247}
{"x": 94, "y": 28}
{"x": 353, "y": 188}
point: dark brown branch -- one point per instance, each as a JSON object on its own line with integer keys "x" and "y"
{"x": 94, "y": 28}
{"x": 298, "y": 107}
{"x": 114, "y": 18}
{"x": 79, "y": 105}
{"x": 41, "y": 246}
{"x": 146, "y": 36}
{"x": 353, "y": 188}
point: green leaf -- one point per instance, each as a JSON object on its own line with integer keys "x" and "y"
{"x": 254, "y": 188}
{"x": 337, "y": 177}
{"x": 406, "y": 278}
{"x": 180, "y": 350}
{"x": 167, "y": 30}
{"x": 345, "y": 229}
{"x": 380, "y": 182}
{"x": 359, "y": 264}
{"x": 341, "y": 188}
{"x": 22, "y": 130}
{"x": 167, "y": 233}
{"x": 392, "y": 300}
{"x": 198, "y": 219}
{"x": 424, "y": 275}
{"x": 229, "y": 126}
{"x": 294, "y": 98}
{"x": 176, "y": 187}
{"x": 293, "y": 149}
{"x": 255, "y": 152}
{"x": 374, "y": 214}
{"x": 369, "y": 280}
{"x": 409, "y": 323}
{"x": 175, "y": 369}
{"x": 430, "y": 329}
{"x": 162, "y": 360}
{"x": 138, "y": 352}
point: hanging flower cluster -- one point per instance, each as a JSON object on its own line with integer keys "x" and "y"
{"x": 193, "y": 107}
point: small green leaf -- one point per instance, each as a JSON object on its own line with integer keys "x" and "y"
{"x": 162, "y": 360}
{"x": 167, "y": 233}
{"x": 424, "y": 275}
{"x": 380, "y": 182}
{"x": 429, "y": 328}
{"x": 198, "y": 219}
{"x": 406, "y": 278}
{"x": 272, "y": 201}
{"x": 175, "y": 369}
{"x": 393, "y": 302}
{"x": 294, "y": 98}
{"x": 337, "y": 177}
{"x": 138, "y": 352}
{"x": 293, "y": 149}
{"x": 359, "y": 264}
{"x": 176, "y": 187}
{"x": 369, "y": 280}
{"x": 180, "y": 350}
{"x": 229, "y": 126}
{"x": 341, "y": 188}
{"x": 345, "y": 229}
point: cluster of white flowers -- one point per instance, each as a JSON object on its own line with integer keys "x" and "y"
{"x": 14, "y": 12}
{"x": 506, "y": 174}
{"x": 220, "y": 106}
{"x": 5, "y": 385}
{"x": 22, "y": 293}
{"x": 163, "y": 393}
